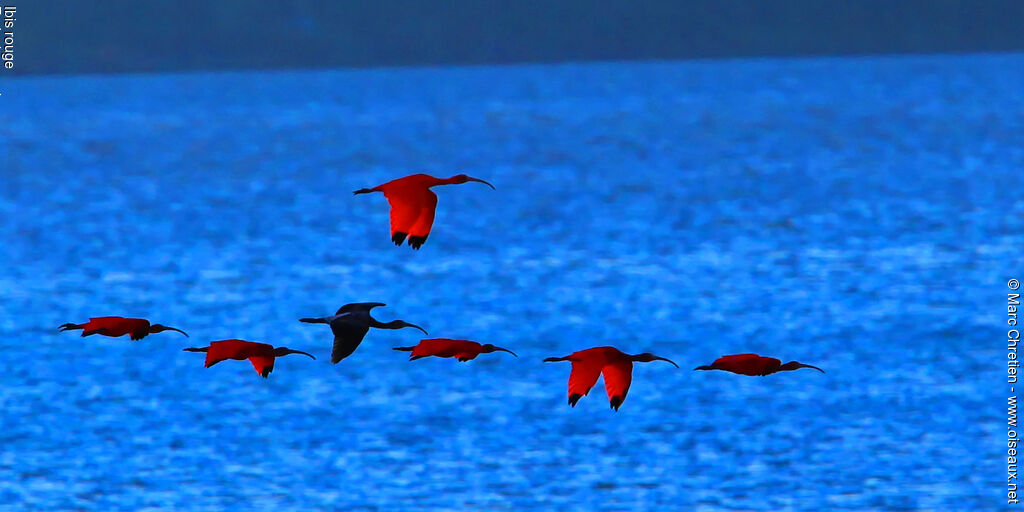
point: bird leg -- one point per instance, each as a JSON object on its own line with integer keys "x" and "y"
{"x": 557, "y": 359}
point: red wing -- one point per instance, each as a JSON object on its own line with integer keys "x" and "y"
{"x": 617, "y": 378}
{"x": 220, "y": 351}
{"x": 232, "y": 349}
{"x": 444, "y": 347}
{"x": 466, "y": 356}
{"x": 407, "y": 204}
{"x": 747, "y": 364}
{"x": 104, "y": 321}
{"x": 425, "y": 219}
{"x": 113, "y": 326}
{"x": 583, "y": 377}
{"x": 263, "y": 364}
{"x": 736, "y": 359}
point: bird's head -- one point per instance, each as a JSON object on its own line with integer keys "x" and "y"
{"x": 462, "y": 178}
{"x": 647, "y": 357}
{"x": 796, "y": 365}
{"x": 283, "y": 351}
{"x": 487, "y": 348}
{"x": 155, "y": 328}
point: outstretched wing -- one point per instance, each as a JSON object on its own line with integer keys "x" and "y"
{"x": 617, "y": 377}
{"x": 406, "y": 206}
{"x": 736, "y": 359}
{"x": 348, "y": 334}
{"x": 747, "y": 364}
{"x": 425, "y": 217}
{"x": 232, "y": 349}
{"x": 104, "y": 321}
{"x": 581, "y": 380}
{"x": 115, "y": 326}
{"x": 358, "y": 306}
{"x": 263, "y": 365}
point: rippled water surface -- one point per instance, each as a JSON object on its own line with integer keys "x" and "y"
{"x": 861, "y": 215}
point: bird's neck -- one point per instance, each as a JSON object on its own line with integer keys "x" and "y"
{"x": 639, "y": 359}
{"x": 394, "y": 324}
{"x": 433, "y": 182}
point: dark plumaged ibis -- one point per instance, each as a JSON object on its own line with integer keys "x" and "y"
{"x": 412, "y": 204}
{"x": 463, "y": 350}
{"x": 351, "y": 323}
{"x": 114, "y": 326}
{"x": 616, "y": 366}
{"x": 754, "y": 365}
{"x": 261, "y": 355}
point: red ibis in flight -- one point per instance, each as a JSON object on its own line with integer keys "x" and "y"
{"x": 616, "y": 366}
{"x": 261, "y": 355}
{"x": 115, "y": 326}
{"x": 412, "y": 204}
{"x": 351, "y": 323}
{"x": 462, "y": 350}
{"x": 754, "y": 365}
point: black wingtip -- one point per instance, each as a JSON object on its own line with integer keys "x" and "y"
{"x": 574, "y": 398}
{"x": 616, "y": 402}
{"x": 417, "y": 241}
{"x": 398, "y": 237}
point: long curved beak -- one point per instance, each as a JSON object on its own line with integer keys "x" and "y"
{"x": 303, "y": 353}
{"x": 178, "y": 330}
{"x": 703, "y": 367}
{"x": 505, "y": 350}
{"x": 669, "y": 360}
{"x": 418, "y": 327}
{"x": 809, "y": 366}
{"x": 485, "y": 183}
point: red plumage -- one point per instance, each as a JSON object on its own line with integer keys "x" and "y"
{"x": 463, "y": 350}
{"x": 413, "y": 205}
{"x": 615, "y": 365}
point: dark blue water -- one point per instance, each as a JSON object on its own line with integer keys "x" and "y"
{"x": 861, "y": 215}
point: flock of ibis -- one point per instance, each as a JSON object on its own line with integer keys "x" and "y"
{"x": 412, "y": 215}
